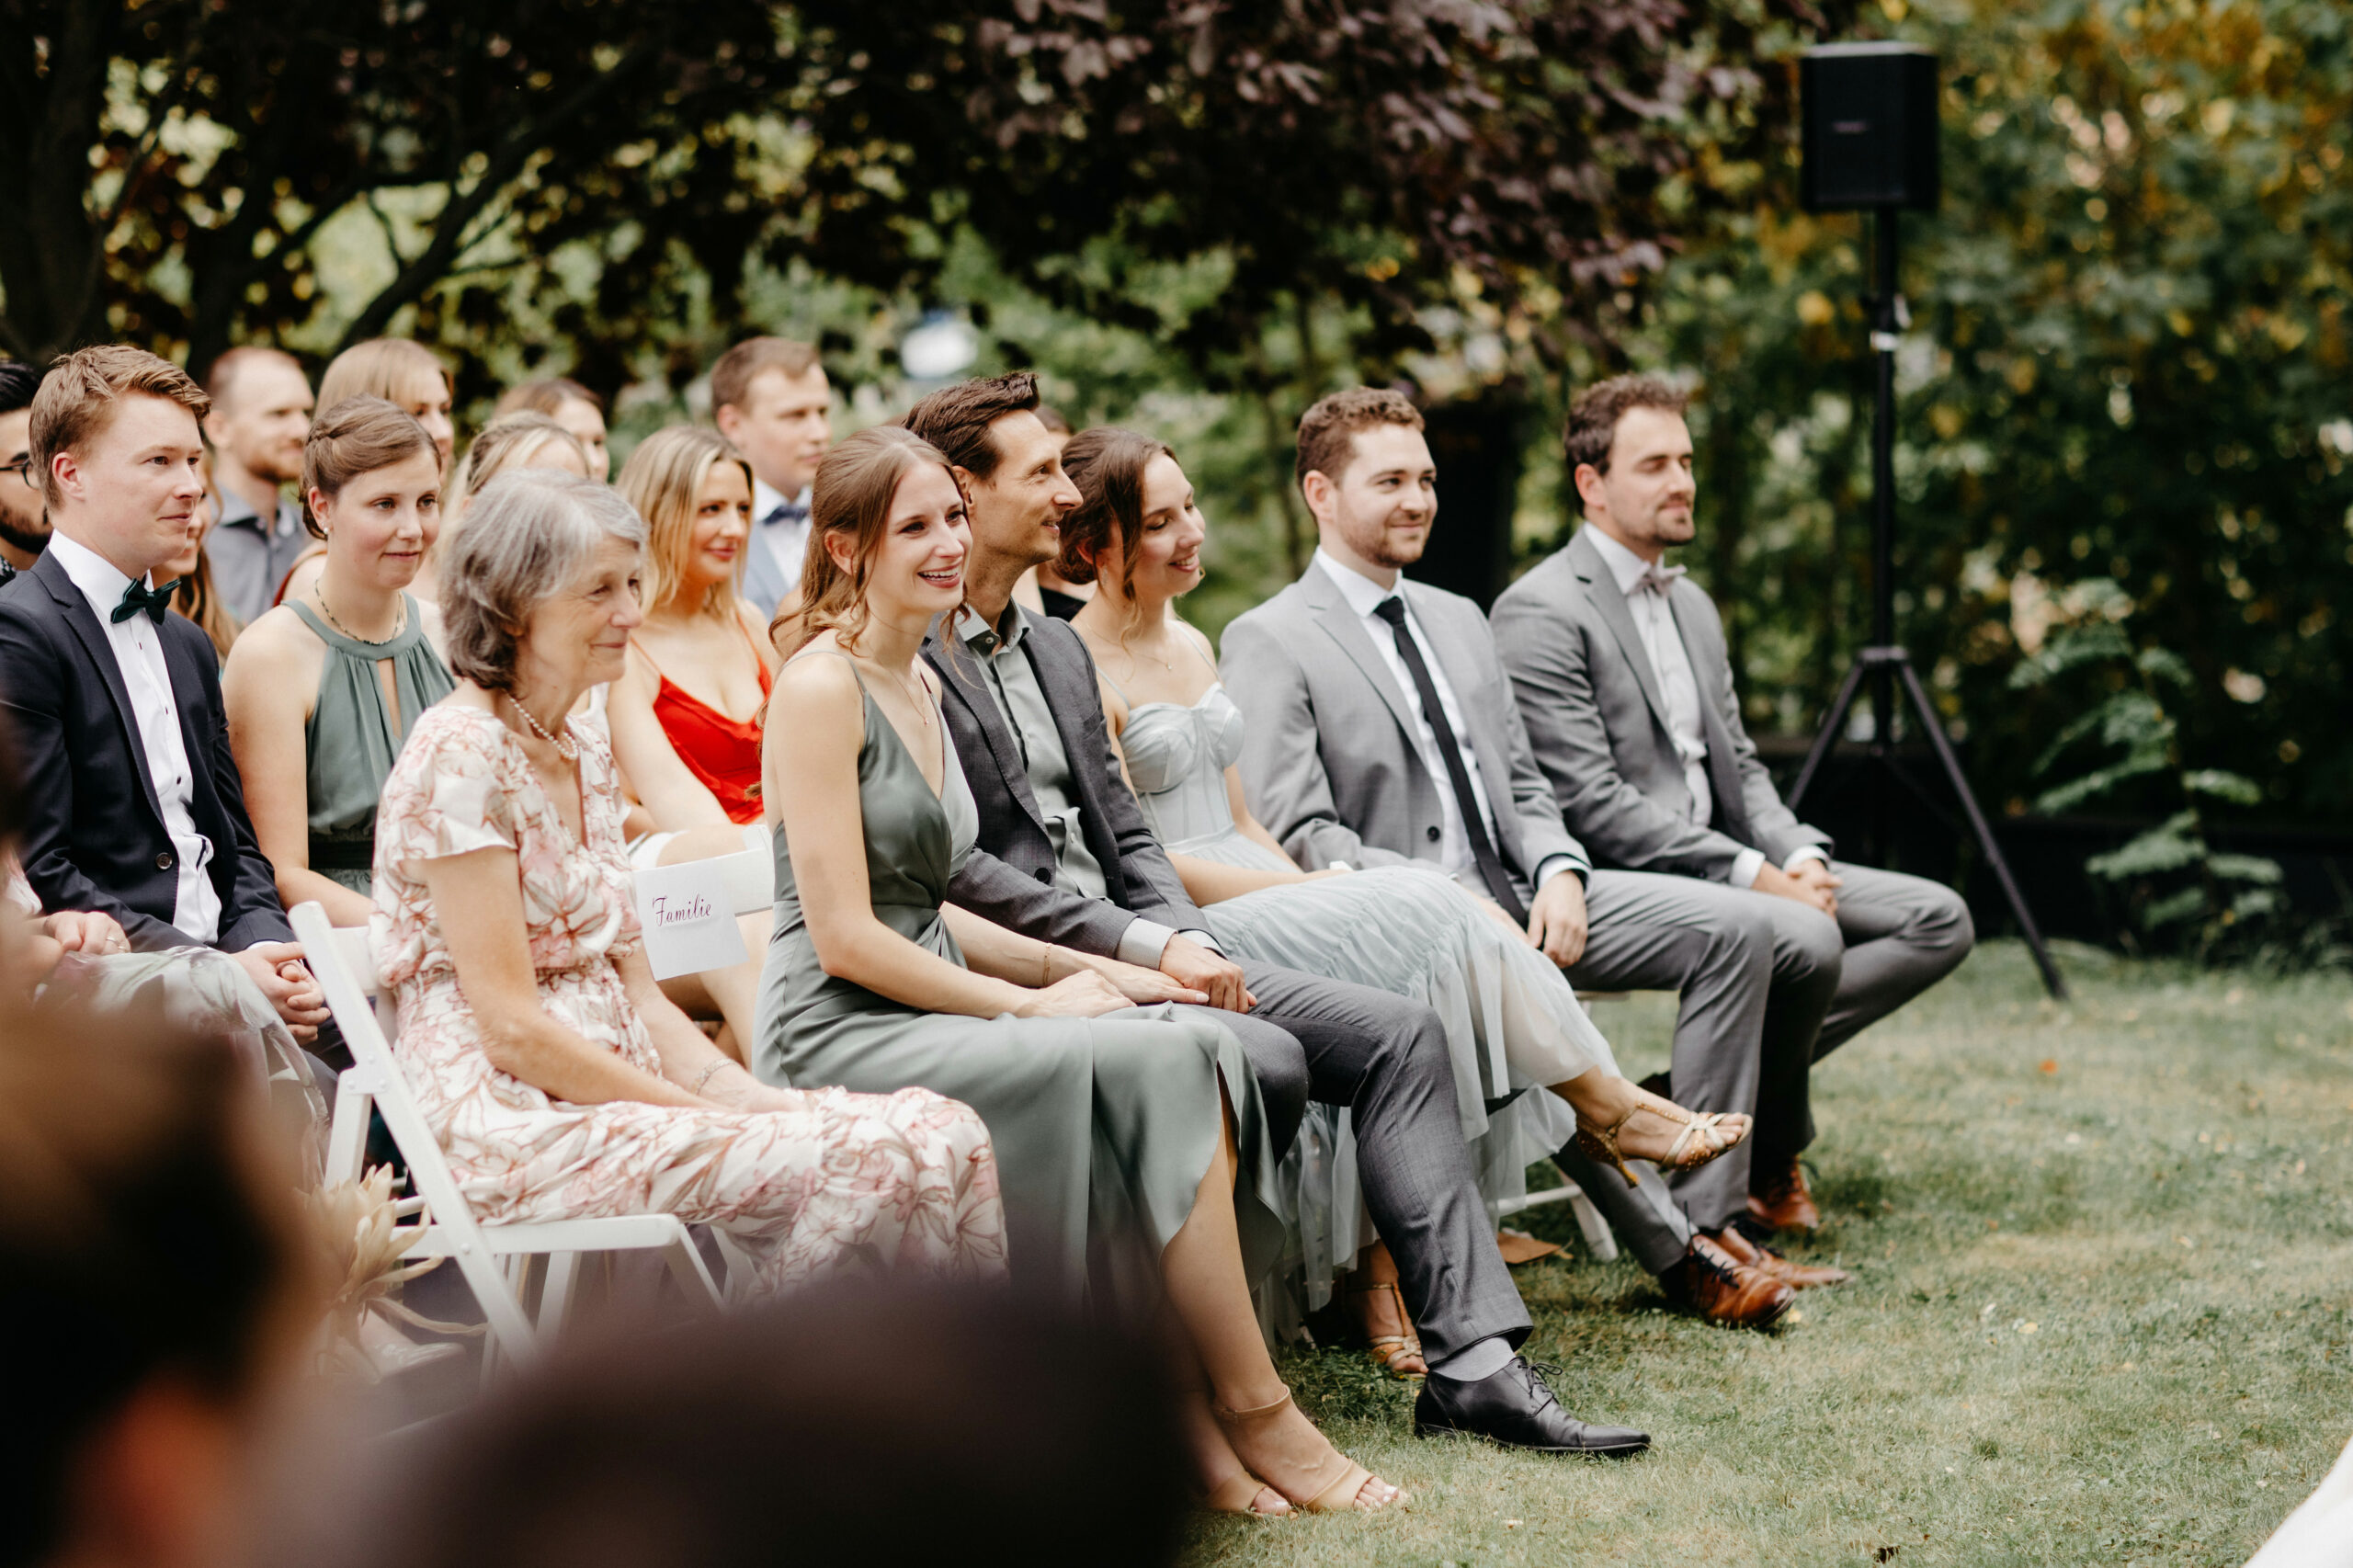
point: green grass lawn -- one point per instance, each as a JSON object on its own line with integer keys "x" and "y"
{"x": 2103, "y": 1255}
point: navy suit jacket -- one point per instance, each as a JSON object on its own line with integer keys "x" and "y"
{"x": 95, "y": 836}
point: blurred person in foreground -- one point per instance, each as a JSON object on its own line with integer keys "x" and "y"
{"x": 570, "y": 404}
{"x": 907, "y": 1430}
{"x": 559, "y": 1079}
{"x": 770, "y": 399}
{"x": 261, "y": 415}
{"x": 1618, "y": 662}
{"x": 152, "y": 1285}
{"x": 23, "y": 521}
{"x": 135, "y": 808}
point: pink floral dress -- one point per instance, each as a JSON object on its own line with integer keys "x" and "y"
{"x": 907, "y": 1179}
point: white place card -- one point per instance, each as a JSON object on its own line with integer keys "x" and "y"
{"x": 690, "y": 923}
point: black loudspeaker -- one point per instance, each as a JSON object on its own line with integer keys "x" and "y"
{"x": 1870, "y": 126}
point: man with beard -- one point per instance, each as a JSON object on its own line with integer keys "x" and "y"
{"x": 261, "y": 415}
{"x": 1380, "y": 730}
{"x": 24, "y": 520}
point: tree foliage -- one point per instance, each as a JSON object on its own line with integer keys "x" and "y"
{"x": 2128, "y": 365}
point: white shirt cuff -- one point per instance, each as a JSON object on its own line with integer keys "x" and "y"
{"x": 1142, "y": 943}
{"x": 1551, "y": 865}
{"x": 1745, "y": 866}
{"x": 1803, "y": 852}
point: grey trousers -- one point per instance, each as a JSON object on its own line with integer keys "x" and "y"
{"x": 1385, "y": 1058}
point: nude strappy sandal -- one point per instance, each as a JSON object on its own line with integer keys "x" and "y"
{"x": 1332, "y": 1485}
{"x": 1704, "y": 1136}
{"x": 1238, "y": 1494}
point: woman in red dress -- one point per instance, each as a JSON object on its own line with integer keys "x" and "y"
{"x": 685, "y": 714}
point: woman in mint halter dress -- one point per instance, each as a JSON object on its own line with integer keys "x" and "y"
{"x": 1132, "y": 1147}
{"x": 322, "y": 691}
{"x": 1511, "y": 1017}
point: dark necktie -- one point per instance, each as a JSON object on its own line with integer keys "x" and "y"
{"x": 156, "y": 601}
{"x": 1475, "y": 826}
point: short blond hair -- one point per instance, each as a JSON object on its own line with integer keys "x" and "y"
{"x": 662, "y": 478}
{"x": 732, "y": 377}
{"x": 377, "y": 368}
{"x": 84, "y": 391}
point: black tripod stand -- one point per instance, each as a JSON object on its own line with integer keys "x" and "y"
{"x": 1885, "y": 662}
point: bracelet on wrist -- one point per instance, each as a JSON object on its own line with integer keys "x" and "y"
{"x": 707, "y": 1071}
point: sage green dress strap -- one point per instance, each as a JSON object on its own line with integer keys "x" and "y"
{"x": 352, "y": 737}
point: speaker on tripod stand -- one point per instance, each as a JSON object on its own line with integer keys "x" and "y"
{"x": 1870, "y": 144}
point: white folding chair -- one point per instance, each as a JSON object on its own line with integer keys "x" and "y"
{"x": 495, "y": 1259}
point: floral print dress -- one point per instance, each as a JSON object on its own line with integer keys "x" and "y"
{"x": 900, "y": 1180}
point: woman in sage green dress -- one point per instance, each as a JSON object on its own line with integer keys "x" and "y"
{"x": 1132, "y": 1147}
{"x": 322, "y": 691}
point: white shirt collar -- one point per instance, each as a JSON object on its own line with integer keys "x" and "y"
{"x": 1361, "y": 591}
{"x": 1624, "y": 565}
{"x": 101, "y": 581}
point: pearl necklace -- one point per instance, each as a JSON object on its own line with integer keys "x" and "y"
{"x": 565, "y": 746}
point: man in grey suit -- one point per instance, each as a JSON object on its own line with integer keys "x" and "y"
{"x": 1620, "y": 667}
{"x": 1063, "y": 855}
{"x": 1379, "y": 730}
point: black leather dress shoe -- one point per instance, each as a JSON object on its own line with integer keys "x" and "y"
{"x": 1515, "y": 1408}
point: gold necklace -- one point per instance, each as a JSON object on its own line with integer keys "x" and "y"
{"x": 319, "y": 592}
{"x": 921, "y": 703}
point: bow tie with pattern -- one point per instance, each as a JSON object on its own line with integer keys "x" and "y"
{"x": 154, "y": 601}
{"x": 1658, "y": 579}
{"x": 785, "y": 512}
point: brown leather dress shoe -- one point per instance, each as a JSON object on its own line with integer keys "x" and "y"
{"x": 1766, "y": 1261}
{"x": 1780, "y": 1199}
{"x": 1710, "y": 1283}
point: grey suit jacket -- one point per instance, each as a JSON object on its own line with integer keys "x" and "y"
{"x": 1009, "y": 878}
{"x": 1598, "y": 719}
{"x": 1328, "y": 758}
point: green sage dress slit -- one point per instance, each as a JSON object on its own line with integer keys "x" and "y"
{"x": 352, "y": 737}
{"x": 1103, "y": 1126}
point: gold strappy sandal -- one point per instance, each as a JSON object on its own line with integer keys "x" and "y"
{"x": 1331, "y": 1484}
{"x": 1702, "y": 1139}
{"x": 1388, "y": 1349}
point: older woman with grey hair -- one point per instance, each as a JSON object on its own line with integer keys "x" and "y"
{"x": 559, "y": 1079}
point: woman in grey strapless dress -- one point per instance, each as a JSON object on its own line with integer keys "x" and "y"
{"x": 1511, "y": 1017}
{"x": 1132, "y": 1146}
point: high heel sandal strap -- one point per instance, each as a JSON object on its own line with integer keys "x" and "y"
{"x": 1340, "y": 1497}
{"x": 1253, "y": 1417}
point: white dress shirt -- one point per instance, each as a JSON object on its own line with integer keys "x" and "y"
{"x": 138, "y": 648}
{"x": 1646, "y": 587}
{"x": 786, "y": 543}
{"x": 1364, "y": 596}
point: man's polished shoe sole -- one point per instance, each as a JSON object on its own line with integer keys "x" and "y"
{"x": 1624, "y": 1449}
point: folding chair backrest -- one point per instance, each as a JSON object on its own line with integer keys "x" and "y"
{"x": 751, "y": 880}
{"x": 326, "y": 951}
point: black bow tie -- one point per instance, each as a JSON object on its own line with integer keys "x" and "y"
{"x": 156, "y": 601}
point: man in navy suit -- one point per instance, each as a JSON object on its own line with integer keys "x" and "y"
{"x": 136, "y": 809}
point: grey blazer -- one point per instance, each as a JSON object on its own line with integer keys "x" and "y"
{"x": 1009, "y": 877}
{"x": 1594, "y": 714}
{"x": 1328, "y": 759}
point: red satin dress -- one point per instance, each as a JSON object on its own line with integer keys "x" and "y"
{"x": 723, "y": 753}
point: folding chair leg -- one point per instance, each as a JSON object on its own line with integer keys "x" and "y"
{"x": 555, "y": 1294}
{"x": 1597, "y": 1238}
{"x": 687, "y": 1268}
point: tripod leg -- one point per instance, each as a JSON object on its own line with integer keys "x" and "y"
{"x": 1827, "y": 736}
{"x": 2051, "y": 980}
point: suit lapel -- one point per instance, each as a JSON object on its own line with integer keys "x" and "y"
{"x": 100, "y": 650}
{"x": 959, "y": 678}
{"x": 1344, "y": 626}
{"x": 1595, "y": 572}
